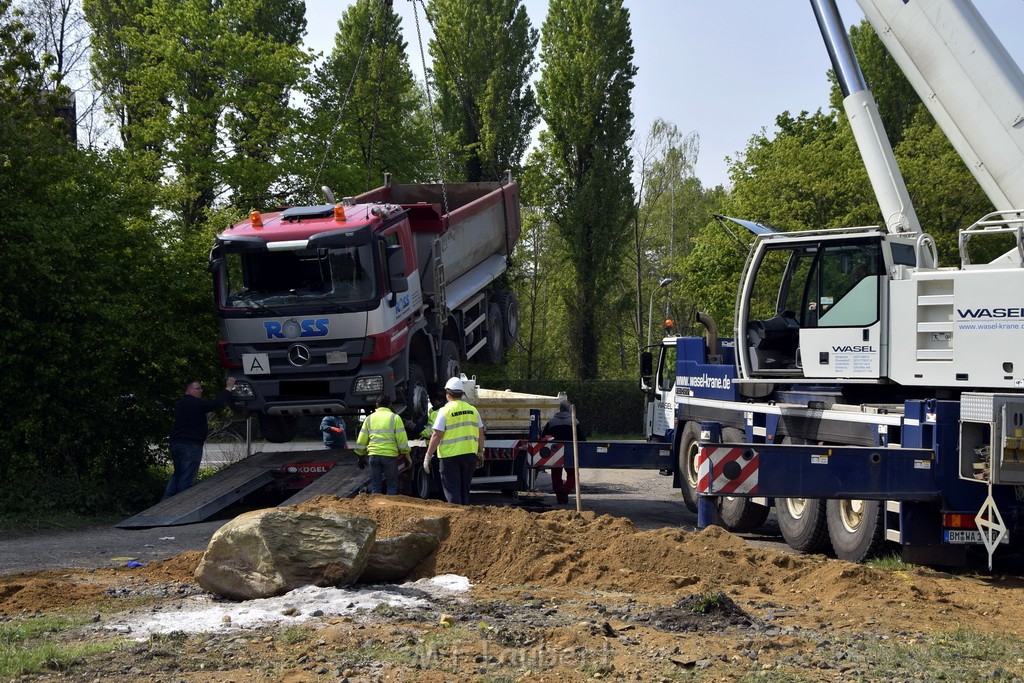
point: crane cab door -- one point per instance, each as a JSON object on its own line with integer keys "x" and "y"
{"x": 814, "y": 307}
{"x": 660, "y": 386}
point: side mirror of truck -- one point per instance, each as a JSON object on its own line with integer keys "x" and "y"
{"x": 398, "y": 282}
{"x": 646, "y": 364}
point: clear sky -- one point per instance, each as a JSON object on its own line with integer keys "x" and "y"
{"x": 721, "y": 68}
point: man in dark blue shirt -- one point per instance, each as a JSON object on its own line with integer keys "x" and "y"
{"x": 188, "y": 433}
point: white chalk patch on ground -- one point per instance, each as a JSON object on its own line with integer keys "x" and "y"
{"x": 208, "y": 615}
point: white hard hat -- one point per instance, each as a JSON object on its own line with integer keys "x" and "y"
{"x": 454, "y": 384}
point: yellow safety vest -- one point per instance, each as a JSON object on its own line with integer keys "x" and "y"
{"x": 461, "y": 430}
{"x": 382, "y": 434}
{"x": 429, "y": 428}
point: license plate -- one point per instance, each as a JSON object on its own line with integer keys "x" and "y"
{"x": 256, "y": 363}
{"x": 964, "y": 536}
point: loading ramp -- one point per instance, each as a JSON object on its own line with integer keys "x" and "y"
{"x": 344, "y": 480}
{"x": 246, "y": 476}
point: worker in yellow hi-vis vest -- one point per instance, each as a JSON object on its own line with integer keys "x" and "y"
{"x": 383, "y": 437}
{"x": 458, "y": 442}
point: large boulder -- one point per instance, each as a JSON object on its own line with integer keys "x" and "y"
{"x": 269, "y": 552}
{"x": 391, "y": 559}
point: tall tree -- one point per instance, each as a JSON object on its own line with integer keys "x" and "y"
{"x": 584, "y": 94}
{"x": 88, "y": 294}
{"x": 198, "y": 86}
{"x": 668, "y": 193}
{"x": 366, "y": 113}
{"x": 62, "y": 45}
{"x": 259, "y": 120}
{"x": 115, "y": 60}
{"x": 483, "y": 52}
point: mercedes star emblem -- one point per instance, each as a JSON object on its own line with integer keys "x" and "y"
{"x": 298, "y": 355}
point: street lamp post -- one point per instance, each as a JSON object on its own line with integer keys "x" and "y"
{"x": 650, "y": 309}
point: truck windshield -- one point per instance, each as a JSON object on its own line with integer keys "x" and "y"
{"x": 276, "y": 279}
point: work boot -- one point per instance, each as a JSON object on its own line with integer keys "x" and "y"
{"x": 361, "y": 462}
{"x": 562, "y": 498}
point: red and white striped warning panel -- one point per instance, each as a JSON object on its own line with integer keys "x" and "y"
{"x": 546, "y": 453}
{"x": 727, "y": 470}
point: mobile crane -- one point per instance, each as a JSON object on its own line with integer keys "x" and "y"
{"x": 871, "y": 395}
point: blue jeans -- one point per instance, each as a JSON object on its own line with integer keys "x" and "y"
{"x": 186, "y": 458}
{"x": 456, "y": 475}
{"x": 384, "y": 467}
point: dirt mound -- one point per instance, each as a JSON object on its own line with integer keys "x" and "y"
{"x": 706, "y": 612}
{"x": 599, "y": 555}
{"x": 511, "y": 546}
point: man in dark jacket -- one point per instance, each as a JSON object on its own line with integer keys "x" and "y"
{"x": 559, "y": 428}
{"x": 188, "y": 433}
{"x": 335, "y": 436}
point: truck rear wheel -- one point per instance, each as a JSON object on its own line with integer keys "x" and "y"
{"x": 687, "y": 464}
{"x": 449, "y": 366}
{"x": 423, "y": 484}
{"x": 495, "y": 336}
{"x": 739, "y": 514}
{"x": 417, "y": 399}
{"x": 857, "y": 528}
{"x": 522, "y": 477}
{"x": 509, "y": 308}
{"x": 278, "y": 428}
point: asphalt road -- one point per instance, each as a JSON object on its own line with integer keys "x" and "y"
{"x": 645, "y": 497}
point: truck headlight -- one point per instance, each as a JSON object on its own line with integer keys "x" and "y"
{"x": 243, "y": 390}
{"x": 372, "y": 384}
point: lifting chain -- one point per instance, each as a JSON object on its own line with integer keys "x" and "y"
{"x": 430, "y": 104}
{"x": 348, "y": 90}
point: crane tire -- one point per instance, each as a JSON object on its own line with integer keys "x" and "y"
{"x": 687, "y": 464}
{"x": 856, "y": 528}
{"x": 802, "y": 521}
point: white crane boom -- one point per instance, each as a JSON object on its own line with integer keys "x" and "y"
{"x": 968, "y": 81}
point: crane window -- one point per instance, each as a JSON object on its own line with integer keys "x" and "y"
{"x": 843, "y": 286}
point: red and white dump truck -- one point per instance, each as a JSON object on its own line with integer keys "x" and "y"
{"x": 322, "y": 308}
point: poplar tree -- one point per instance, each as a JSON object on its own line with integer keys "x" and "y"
{"x": 366, "y": 113}
{"x": 483, "y": 60}
{"x": 584, "y": 94}
{"x": 200, "y": 90}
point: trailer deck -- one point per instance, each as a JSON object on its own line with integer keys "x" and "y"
{"x": 246, "y": 476}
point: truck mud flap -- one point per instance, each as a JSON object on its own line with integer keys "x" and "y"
{"x": 212, "y": 495}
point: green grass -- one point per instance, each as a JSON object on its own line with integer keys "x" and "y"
{"x": 34, "y": 645}
{"x": 707, "y": 602}
{"x": 958, "y": 656}
{"x": 295, "y": 634}
{"x": 889, "y": 563}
